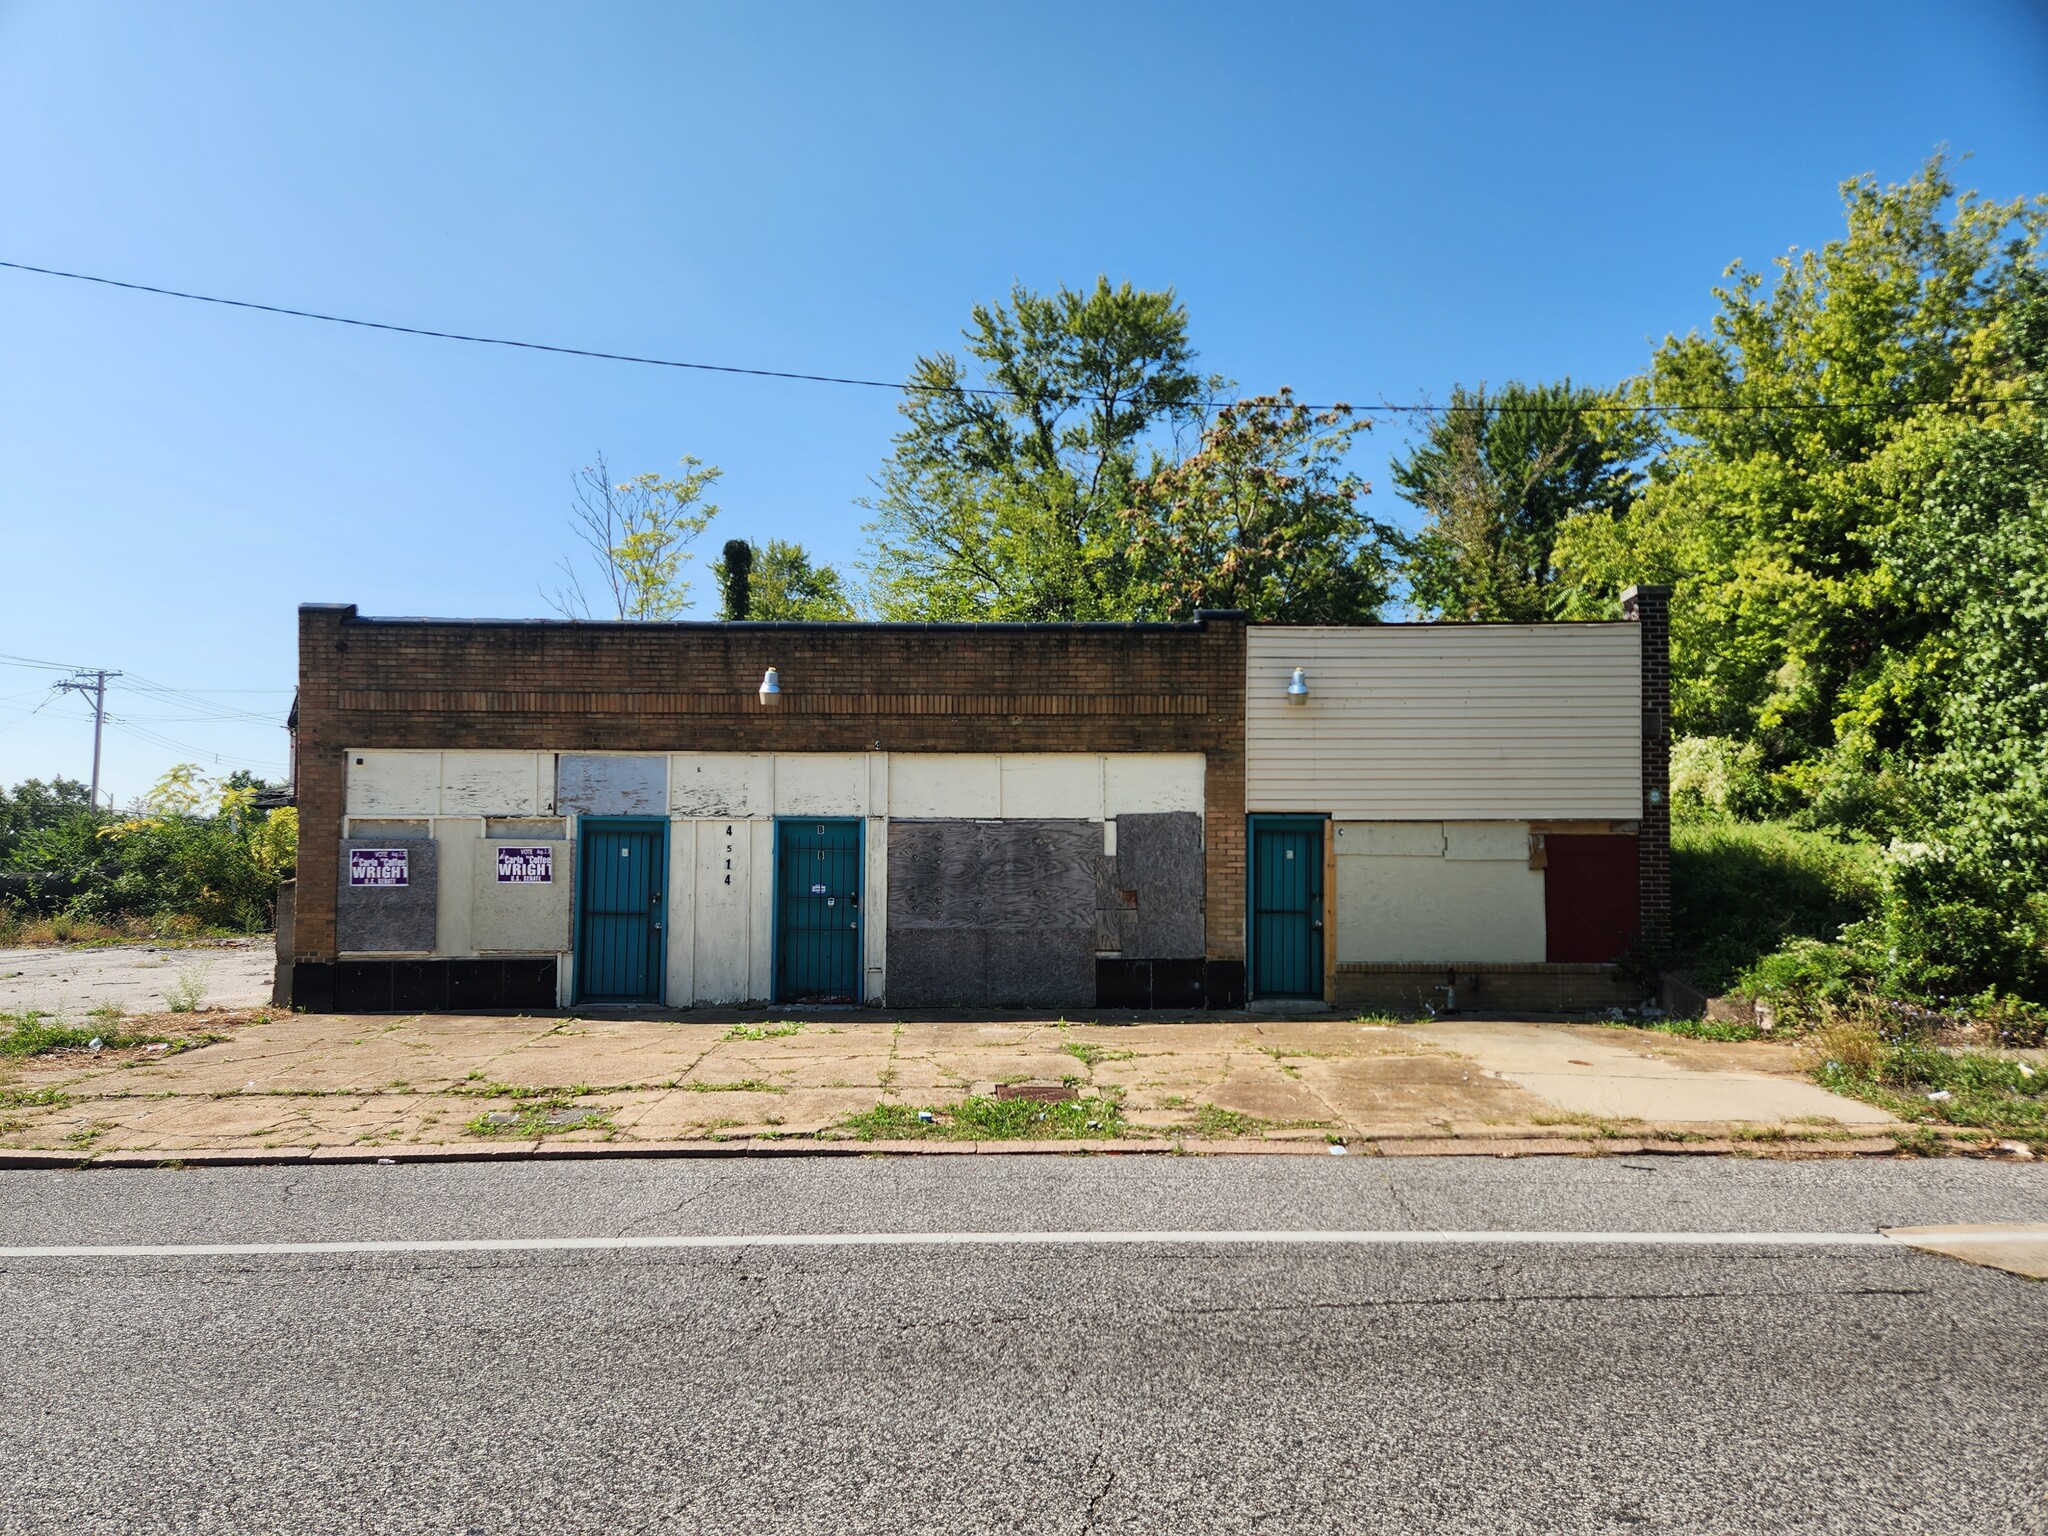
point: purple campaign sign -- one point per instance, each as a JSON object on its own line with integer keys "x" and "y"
{"x": 376, "y": 866}
{"x": 526, "y": 866}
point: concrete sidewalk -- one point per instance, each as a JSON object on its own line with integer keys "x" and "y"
{"x": 294, "y": 1085}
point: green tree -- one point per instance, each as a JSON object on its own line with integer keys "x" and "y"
{"x": 635, "y": 536}
{"x": 1001, "y": 497}
{"x": 1263, "y": 516}
{"x": 1806, "y": 427}
{"x": 786, "y": 585}
{"x": 32, "y": 806}
{"x": 1495, "y": 475}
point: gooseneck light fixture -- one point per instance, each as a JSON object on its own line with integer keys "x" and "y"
{"x": 1297, "y": 690}
{"x": 771, "y": 687}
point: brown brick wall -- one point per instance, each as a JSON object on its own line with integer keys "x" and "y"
{"x": 1651, "y": 608}
{"x": 548, "y": 686}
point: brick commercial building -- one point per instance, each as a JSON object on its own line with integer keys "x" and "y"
{"x": 531, "y": 814}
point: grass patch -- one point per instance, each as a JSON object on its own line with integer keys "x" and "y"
{"x": 535, "y": 1115}
{"x": 764, "y": 1031}
{"x": 34, "y": 1033}
{"x": 1922, "y": 1084}
{"x": 1210, "y": 1123}
{"x": 1088, "y": 1055}
{"x": 984, "y": 1118}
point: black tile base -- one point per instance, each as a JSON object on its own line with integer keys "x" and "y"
{"x": 424, "y": 986}
{"x": 1180, "y": 984}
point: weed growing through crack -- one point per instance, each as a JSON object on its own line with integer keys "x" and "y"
{"x": 1088, "y": 1055}
{"x": 764, "y": 1031}
{"x": 744, "y": 1085}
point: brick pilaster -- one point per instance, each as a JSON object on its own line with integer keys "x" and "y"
{"x": 1650, "y": 607}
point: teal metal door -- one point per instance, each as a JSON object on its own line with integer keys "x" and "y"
{"x": 817, "y": 911}
{"x": 621, "y": 863}
{"x": 1287, "y": 906}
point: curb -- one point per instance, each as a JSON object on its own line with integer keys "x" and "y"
{"x": 766, "y": 1147}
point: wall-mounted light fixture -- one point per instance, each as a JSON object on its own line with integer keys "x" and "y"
{"x": 771, "y": 687}
{"x": 1297, "y": 691}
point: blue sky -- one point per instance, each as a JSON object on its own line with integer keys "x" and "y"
{"x": 1364, "y": 202}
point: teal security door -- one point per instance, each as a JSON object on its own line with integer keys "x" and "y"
{"x": 1287, "y": 906}
{"x": 620, "y": 872}
{"x": 817, "y": 911}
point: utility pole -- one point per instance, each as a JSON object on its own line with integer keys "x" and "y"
{"x": 98, "y": 689}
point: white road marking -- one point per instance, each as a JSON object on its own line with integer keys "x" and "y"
{"x": 1364, "y": 1239}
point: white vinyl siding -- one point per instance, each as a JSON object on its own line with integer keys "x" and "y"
{"x": 1447, "y": 722}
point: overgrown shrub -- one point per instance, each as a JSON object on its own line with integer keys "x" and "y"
{"x": 199, "y": 857}
{"x": 1742, "y": 891}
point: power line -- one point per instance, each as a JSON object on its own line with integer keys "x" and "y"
{"x": 981, "y": 391}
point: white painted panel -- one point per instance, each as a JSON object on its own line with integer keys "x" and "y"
{"x": 1051, "y": 784}
{"x": 489, "y": 784}
{"x": 1505, "y": 841}
{"x": 821, "y": 783}
{"x": 1392, "y": 839}
{"x": 720, "y": 784}
{"x": 455, "y": 893}
{"x": 724, "y": 911}
{"x": 1154, "y": 781}
{"x": 929, "y": 784}
{"x": 874, "y": 900}
{"x": 878, "y": 783}
{"x": 1449, "y": 722}
{"x": 680, "y": 979}
{"x": 394, "y": 783}
{"x": 761, "y": 930}
{"x": 1438, "y": 910}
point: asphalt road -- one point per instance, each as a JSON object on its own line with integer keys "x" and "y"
{"x": 1042, "y": 1387}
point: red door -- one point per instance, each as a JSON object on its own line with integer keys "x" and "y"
{"x": 1591, "y": 887}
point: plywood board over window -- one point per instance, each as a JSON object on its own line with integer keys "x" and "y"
{"x": 604, "y": 785}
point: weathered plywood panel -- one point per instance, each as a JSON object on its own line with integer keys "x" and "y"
{"x": 395, "y": 920}
{"x": 1159, "y": 861}
{"x": 523, "y": 919}
{"x": 1044, "y": 968}
{"x": 875, "y": 909}
{"x": 723, "y": 937}
{"x": 938, "y": 967}
{"x": 992, "y": 914}
{"x": 710, "y": 784}
{"x": 1503, "y": 841}
{"x": 821, "y": 784}
{"x": 1051, "y": 784}
{"x": 1438, "y": 910}
{"x": 394, "y": 783}
{"x": 611, "y": 785}
{"x": 761, "y": 921}
{"x": 455, "y": 841}
{"x": 1446, "y": 722}
{"x": 935, "y": 874}
{"x": 490, "y": 784}
{"x": 965, "y": 785}
{"x": 680, "y": 978}
{"x": 1153, "y": 781}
